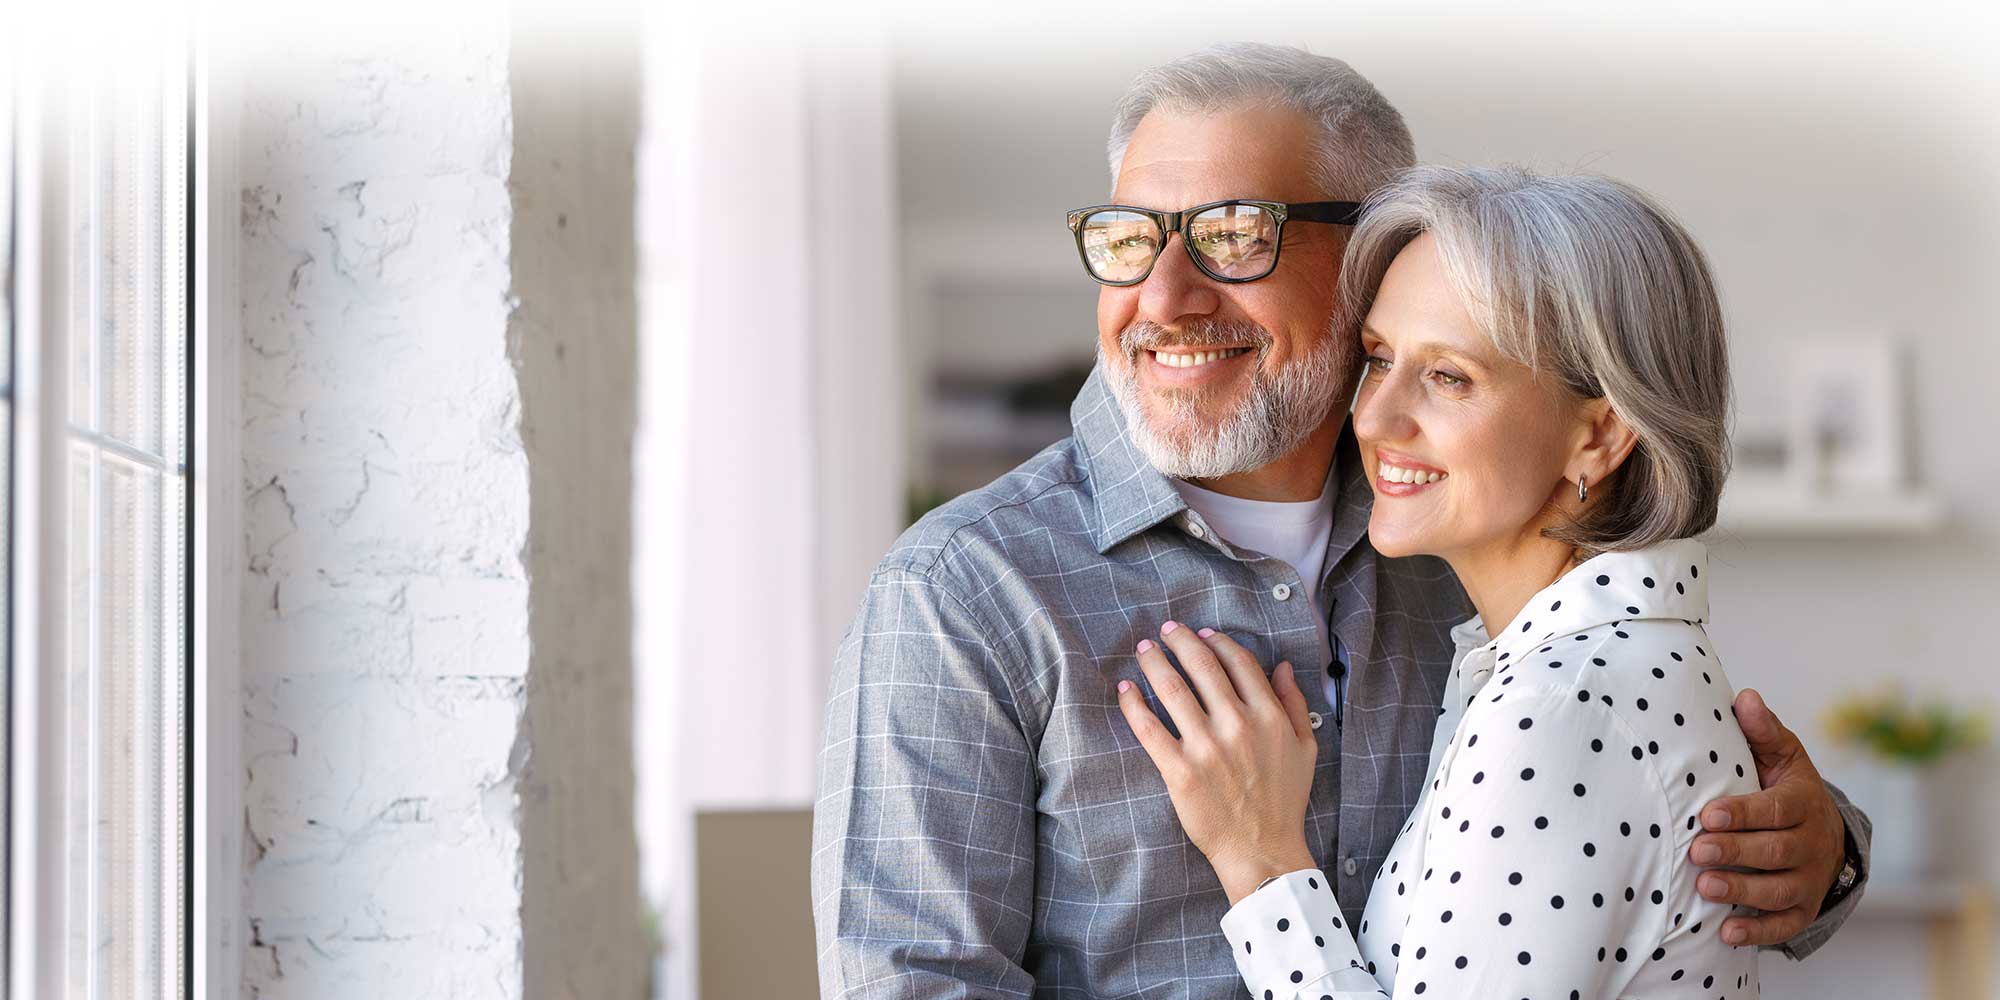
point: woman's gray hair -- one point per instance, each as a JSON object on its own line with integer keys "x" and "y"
{"x": 1362, "y": 141}
{"x": 1590, "y": 279}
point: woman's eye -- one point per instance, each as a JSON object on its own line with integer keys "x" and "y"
{"x": 1377, "y": 366}
{"x": 1448, "y": 378}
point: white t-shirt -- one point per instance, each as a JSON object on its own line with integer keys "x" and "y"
{"x": 1295, "y": 532}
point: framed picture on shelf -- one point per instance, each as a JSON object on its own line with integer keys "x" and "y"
{"x": 1846, "y": 419}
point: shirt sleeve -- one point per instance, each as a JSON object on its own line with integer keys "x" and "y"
{"x": 1523, "y": 896}
{"x": 1860, "y": 828}
{"x": 923, "y": 864}
{"x": 1290, "y": 942}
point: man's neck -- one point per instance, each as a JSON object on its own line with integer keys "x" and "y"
{"x": 1296, "y": 477}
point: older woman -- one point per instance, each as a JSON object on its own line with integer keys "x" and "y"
{"x": 1544, "y": 407}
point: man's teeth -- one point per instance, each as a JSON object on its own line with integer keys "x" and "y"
{"x": 1398, "y": 474}
{"x": 1197, "y": 357}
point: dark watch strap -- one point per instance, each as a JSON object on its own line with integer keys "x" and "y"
{"x": 1850, "y": 873}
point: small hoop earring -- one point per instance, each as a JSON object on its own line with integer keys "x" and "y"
{"x": 1582, "y": 491}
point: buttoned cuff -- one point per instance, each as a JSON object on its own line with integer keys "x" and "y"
{"x": 1290, "y": 941}
{"x": 1816, "y": 934}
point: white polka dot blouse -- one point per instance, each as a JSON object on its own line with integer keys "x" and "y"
{"x": 1547, "y": 856}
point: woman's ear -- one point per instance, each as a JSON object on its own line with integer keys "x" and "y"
{"x": 1606, "y": 444}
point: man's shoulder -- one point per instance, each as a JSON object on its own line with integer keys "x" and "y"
{"x": 1047, "y": 494}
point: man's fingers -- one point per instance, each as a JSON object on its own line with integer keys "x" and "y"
{"x": 1770, "y": 742}
{"x": 1204, "y": 671}
{"x": 1245, "y": 673}
{"x": 1761, "y": 892}
{"x": 1771, "y": 851}
{"x": 1769, "y": 928}
{"x": 1779, "y": 807}
{"x": 1172, "y": 691}
{"x": 1160, "y": 744}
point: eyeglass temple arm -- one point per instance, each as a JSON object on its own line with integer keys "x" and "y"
{"x": 1344, "y": 213}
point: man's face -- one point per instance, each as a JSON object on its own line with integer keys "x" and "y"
{"x": 1220, "y": 378}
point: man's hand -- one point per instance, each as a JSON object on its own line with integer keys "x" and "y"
{"x": 1791, "y": 832}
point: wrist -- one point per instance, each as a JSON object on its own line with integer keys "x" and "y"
{"x": 1241, "y": 876}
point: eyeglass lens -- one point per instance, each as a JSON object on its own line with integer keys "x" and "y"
{"x": 1230, "y": 241}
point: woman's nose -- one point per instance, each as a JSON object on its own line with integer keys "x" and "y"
{"x": 1382, "y": 411}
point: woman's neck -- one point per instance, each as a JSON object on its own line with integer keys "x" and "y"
{"x": 1500, "y": 578}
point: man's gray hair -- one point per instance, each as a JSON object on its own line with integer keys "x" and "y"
{"x": 1362, "y": 140}
{"x": 1586, "y": 279}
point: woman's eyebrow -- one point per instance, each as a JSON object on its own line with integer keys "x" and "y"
{"x": 1436, "y": 347}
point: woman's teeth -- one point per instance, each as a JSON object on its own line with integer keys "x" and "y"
{"x": 1398, "y": 474}
{"x": 1196, "y": 358}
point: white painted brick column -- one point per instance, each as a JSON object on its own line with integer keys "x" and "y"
{"x": 437, "y": 420}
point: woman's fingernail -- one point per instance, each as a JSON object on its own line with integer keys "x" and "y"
{"x": 1145, "y": 645}
{"x": 1124, "y": 686}
{"x": 1167, "y": 627}
{"x": 1713, "y": 886}
{"x": 1735, "y": 935}
{"x": 1707, "y": 854}
{"x": 1205, "y": 633}
{"x": 1716, "y": 819}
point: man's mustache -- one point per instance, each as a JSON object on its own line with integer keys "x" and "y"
{"x": 1145, "y": 335}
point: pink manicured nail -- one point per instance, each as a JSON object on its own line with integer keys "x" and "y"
{"x": 1124, "y": 686}
{"x": 1205, "y": 633}
{"x": 1145, "y": 645}
{"x": 1168, "y": 627}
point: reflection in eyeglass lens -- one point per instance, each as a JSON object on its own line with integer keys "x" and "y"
{"x": 1119, "y": 246}
{"x": 1237, "y": 241}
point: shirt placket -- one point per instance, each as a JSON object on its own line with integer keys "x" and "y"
{"x": 1284, "y": 597}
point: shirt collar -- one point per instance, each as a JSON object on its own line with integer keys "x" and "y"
{"x": 1132, "y": 496}
{"x": 1664, "y": 581}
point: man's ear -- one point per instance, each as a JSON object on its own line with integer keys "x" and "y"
{"x": 1607, "y": 442}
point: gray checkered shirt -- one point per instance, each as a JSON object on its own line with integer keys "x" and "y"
{"x": 987, "y": 825}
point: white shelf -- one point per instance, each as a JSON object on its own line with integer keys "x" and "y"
{"x": 1906, "y": 900}
{"x": 1778, "y": 511}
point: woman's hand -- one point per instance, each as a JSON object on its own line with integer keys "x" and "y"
{"x": 1242, "y": 771}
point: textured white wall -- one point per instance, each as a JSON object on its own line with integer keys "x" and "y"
{"x": 434, "y": 744}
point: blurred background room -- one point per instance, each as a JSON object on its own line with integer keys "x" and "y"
{"x": 523, "y": 397}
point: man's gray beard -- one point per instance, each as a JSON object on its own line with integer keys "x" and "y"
{"x": 1282, "y": 410}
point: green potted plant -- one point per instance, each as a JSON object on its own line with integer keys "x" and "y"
{"x": 1903, "y": 742}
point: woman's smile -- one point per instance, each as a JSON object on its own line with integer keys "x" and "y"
{"x": 1399, "y": 475}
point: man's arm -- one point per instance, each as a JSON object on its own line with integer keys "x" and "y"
{"x": 923, "y": 866}
{"x": 1794, "y": 833}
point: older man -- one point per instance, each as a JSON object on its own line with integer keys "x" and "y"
{"x": 987, "y": 824}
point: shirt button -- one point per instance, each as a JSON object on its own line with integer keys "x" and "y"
{"x": 1314, "y": 716}
{"x": 1348, "y": 867}
{"x": 1195, "y": 529}
{"x": 1282, "y": 591}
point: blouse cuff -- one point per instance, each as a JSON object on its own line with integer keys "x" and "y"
{"x": 1290, "y": 940}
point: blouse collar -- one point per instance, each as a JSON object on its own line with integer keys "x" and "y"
{"x": 1666, "y": 581}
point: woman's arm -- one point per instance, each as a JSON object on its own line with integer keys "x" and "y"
{"x": 1290, "y": 943}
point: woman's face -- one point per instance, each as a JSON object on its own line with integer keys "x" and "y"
{"x": 1486, "y": 442}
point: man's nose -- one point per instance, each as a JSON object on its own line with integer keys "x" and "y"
{"x": 1176, "y": 289}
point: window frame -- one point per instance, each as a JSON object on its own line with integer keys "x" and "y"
{"x": 33, "y": 955}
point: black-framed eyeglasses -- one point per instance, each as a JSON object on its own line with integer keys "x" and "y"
{"x": 1234, "y": 241}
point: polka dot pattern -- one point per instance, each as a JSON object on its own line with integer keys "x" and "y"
{"x": 1557, "y": 812}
